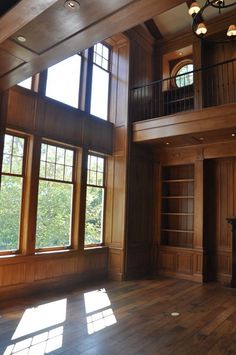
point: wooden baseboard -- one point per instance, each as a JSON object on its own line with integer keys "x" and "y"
{"x": 194, "y": 277}
{"x": 60, "y": 284}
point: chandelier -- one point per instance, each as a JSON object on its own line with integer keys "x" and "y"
{"x": 198, "y": 26}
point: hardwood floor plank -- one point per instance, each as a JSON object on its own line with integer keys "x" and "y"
{"x": 124, "y": 318}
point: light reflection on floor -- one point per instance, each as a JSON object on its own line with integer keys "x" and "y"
{"x": 98, "y": 301}
{"x": 40, "y": 330}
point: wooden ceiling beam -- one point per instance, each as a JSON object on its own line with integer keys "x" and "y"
{"x": 153, "y": 29}
{"x": 21, "y": 14}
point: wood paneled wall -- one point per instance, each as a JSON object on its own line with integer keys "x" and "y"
{"x": 24, "y": 274}
{"x": 51, "y": 119}
{"x": 140, "y": 169}
{"x": 26, "y": 111}
{"x": 117, "y": 163}
{"x": 220, "y": 197}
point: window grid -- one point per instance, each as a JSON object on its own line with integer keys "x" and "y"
{"x": 9, "y": 157}
{"x": 50, "y": 166}
{"x": 95, "y": 171}
{"x": 101, "y": 56}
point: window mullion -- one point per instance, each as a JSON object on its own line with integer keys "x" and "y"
{"x": 89, "y": 81}
{"x": 30, "y": 193}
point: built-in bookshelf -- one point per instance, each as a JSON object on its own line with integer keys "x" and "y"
{"x": 177, "y": 206}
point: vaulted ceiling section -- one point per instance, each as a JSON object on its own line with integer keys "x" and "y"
{"x": 52, "y": 32}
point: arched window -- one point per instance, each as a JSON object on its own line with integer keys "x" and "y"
{"x": 183, "y": 74}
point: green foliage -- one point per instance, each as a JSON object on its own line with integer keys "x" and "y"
{"x": 94, "y": 215}
{"x": 54, "y": 214}
{"x": 10, "y": 202}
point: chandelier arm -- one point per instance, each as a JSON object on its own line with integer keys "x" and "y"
{"x": 197, "y": 18}
{"x": 212, "y": 3}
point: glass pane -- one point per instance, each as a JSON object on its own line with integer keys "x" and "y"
{"x": 187, "y": 79}
{"x": 10, "y": 202}
{"x": 68, "y": 173}
{"x": 100, "y": 164}
{"x": 54, "y": 214}
{"x": 51, "y": 154}
{"x": 6, "y": 163}
{"x": 13, "y": 155}
{"x": 63, "y": 81}
{"x": 8, "y": 142}
{"x": 17, "y": 163}
{"x": 94, "y": 215}
{"x": 60, "y": 155}
{"x": 18, "y": 146}
{"x": 59, "y": 172}
{"x": 27, "y": 83}
{"x": 50, "y": 171}
{"x": 69, "y": 157}
{"x": 100, "y": 89}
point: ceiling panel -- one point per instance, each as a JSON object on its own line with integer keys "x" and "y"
{"x": 8, "y": 62}
{"x": 174, "y": 20}
{"x": 59, "y": 23}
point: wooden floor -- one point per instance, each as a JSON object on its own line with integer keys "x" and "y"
{"x": 123, "y": 318}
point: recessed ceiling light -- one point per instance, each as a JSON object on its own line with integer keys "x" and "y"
{"x": 21, "y": 39}
{"x": 175, "y": 314}
{"x": 72, "y": 4}
{"x": 233, "y": 134}
{"x": 167, "y": 143}
{"x": 201, "y": 138}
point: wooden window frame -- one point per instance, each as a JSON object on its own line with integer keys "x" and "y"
{"x": 23, "y": 176}
{"x": 76, "y": 177}
{"x": 95, "y": 154}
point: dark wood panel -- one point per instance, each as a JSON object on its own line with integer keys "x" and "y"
{"x": 51, "y": 119}
{"x": 220, "y": 190}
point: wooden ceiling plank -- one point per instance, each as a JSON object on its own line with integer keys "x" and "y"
{"x": 127, "y": 17}
{"x": 21, "y": 14}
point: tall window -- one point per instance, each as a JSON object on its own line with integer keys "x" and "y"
{"x": 94, "y": 201}
{"x": 55, "y": 197}
{"x": 11, "y": 192}
{"x": 63, "y": 81}
{"x": 100, "y": 81}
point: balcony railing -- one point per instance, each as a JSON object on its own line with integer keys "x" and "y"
{"x": 212, "y": 86}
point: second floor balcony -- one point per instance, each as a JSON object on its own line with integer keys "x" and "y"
{"x": 202, "y": 88}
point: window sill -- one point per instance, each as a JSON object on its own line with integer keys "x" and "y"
{"x": 94, "y": 249}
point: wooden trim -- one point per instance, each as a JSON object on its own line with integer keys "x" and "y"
{"x": 213, "y": 118}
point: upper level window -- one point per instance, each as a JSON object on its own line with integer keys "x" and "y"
{"x": 11, "y": 192}
{"x": 186, "y": 77}
{"x": 63, "y": 81}
{"x": 27, "y": 83}
{"x": 54, "y": 212}
{"x": 100, "y": 81}
{"x": 94, "y": 200}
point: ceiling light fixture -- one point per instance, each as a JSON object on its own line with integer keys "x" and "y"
{"x": 198, "y": 26}
{"x": 72, "y": 4}
{"x": 21, "y": 39}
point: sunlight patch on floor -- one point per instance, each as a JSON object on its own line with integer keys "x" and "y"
{"x": 98, "y": 301}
